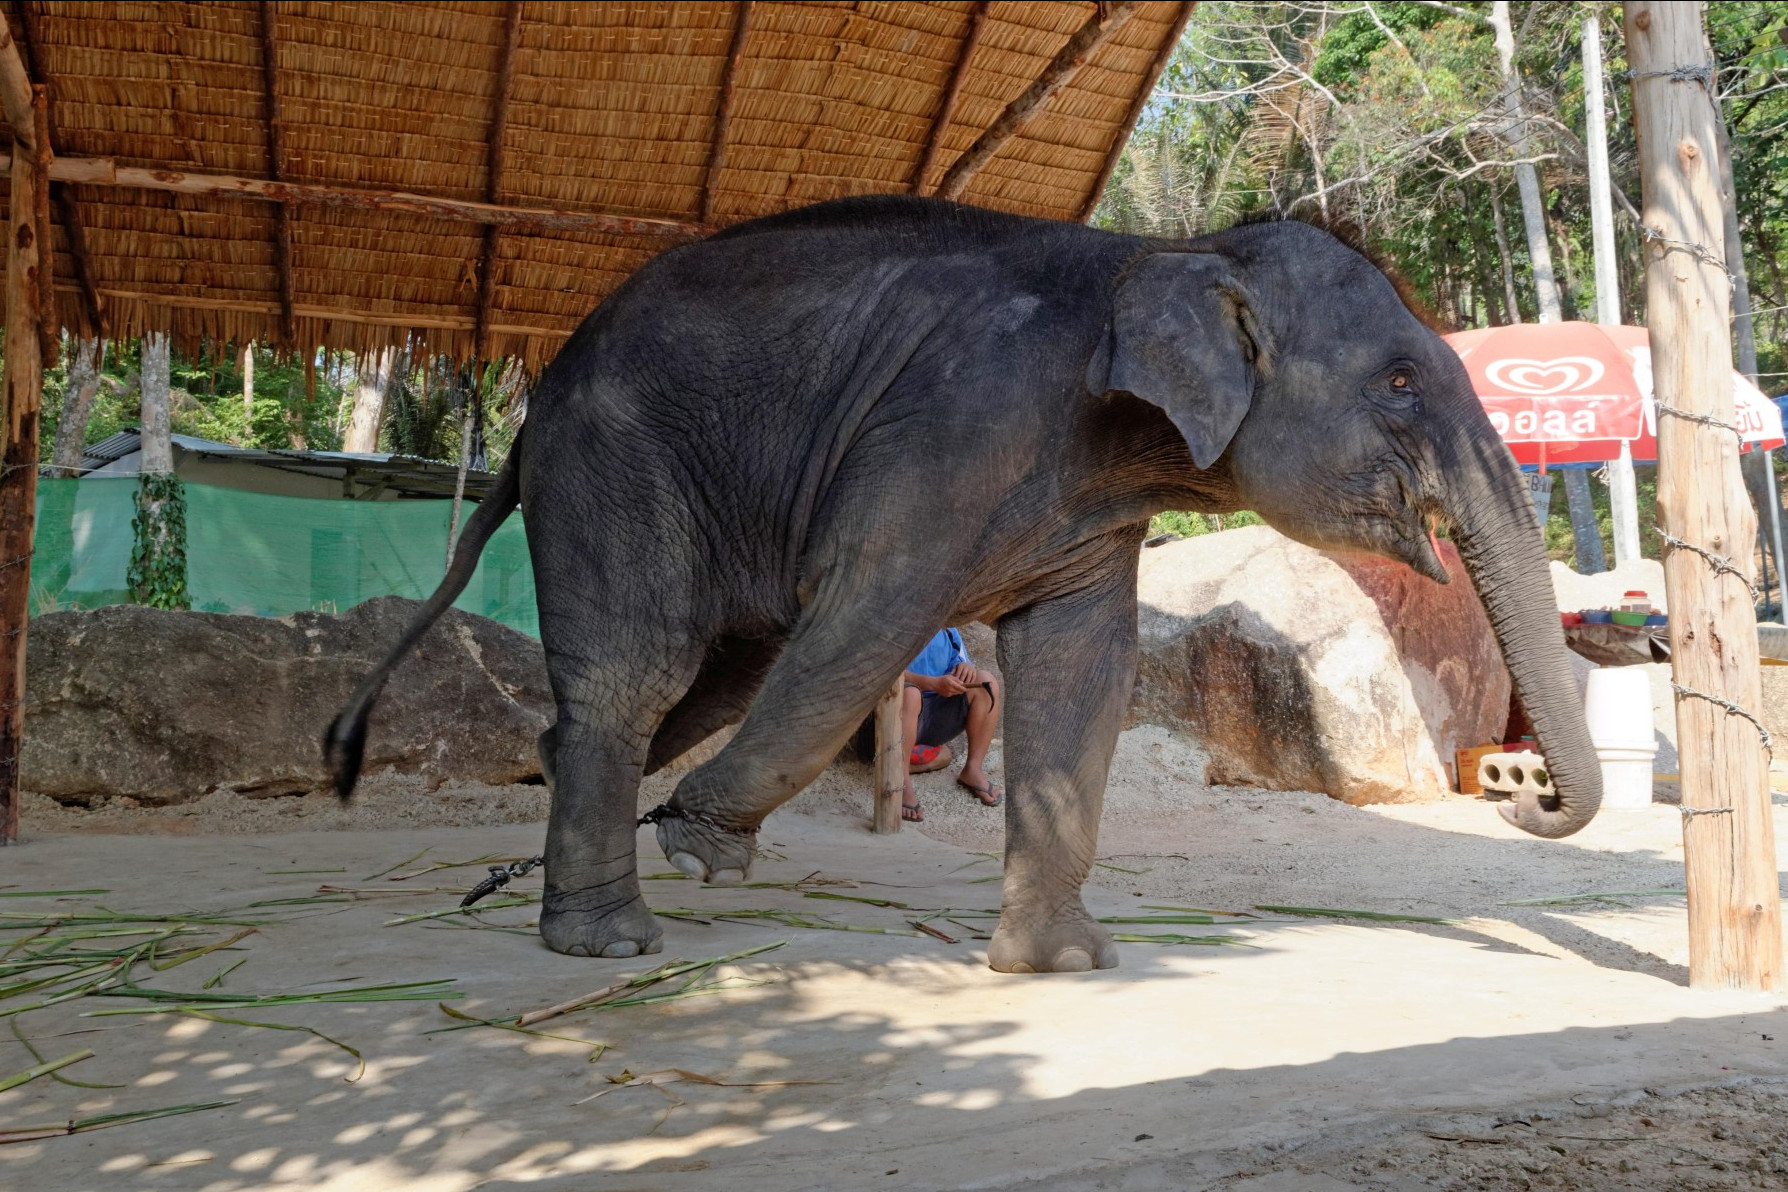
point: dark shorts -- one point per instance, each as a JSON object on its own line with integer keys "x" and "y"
{"x": 942, "y": 718}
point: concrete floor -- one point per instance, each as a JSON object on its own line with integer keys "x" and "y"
{"x": 1177, "y": 1070}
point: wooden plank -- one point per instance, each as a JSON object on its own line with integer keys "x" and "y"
{"x": 103, "y": 171}
{"x": 940, "y": 124}
{"x": 1735, "y": 930}
{"x": 418, "y": 321}
{"x": 723, "y": 110}
{"x": 890, "y": 764}
{"x": 22, "y": 387}
{"x": 1136, "y": 109}
{"x": 493, "y": 176}
{"x": 1106, "y": 20}
{"x": 282, "y": 216}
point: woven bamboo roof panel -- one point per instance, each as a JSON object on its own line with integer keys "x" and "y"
{"x": 697, "y": 114}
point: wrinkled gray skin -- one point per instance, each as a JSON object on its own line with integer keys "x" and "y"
{"x": 765, "y": 471}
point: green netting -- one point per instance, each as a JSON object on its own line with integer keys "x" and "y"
{"x": 267, "y": 556}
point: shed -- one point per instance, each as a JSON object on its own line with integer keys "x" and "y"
{"x": 474, "y": 177}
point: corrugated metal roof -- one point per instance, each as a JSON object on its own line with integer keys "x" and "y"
{"x": 401, "y": 474}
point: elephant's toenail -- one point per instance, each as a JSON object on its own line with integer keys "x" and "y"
{"x": 690, "y": 865}
{"x": 1021, "y": 967}
{"x": 1073, "y": 960}
{"x": 727, "y": 877}
{"x": 656, "y": 945}
{"x": 621, "y": 948}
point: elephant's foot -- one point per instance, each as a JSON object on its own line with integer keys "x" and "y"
{"x": 706, "y": 853}
{"x": 1067, "y": 941}
{"x": 628, "y": 929}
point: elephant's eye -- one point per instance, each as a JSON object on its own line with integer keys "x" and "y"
{"x": 1402, "y": 382}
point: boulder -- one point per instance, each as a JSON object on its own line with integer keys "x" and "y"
{"x": 1301, "y": 669}
{"x": 164, "y": 707}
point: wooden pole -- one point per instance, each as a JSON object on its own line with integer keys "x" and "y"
{"x": 1735, "y": 929}
{"x": 723, "y": 110}
{"x": 890, "y": 766}
{"x": 104, "y": 171}
{"x": 946, "y": 109}
{"x": 1106, "y": 20}
{"x": 23, "y": 389}
{"x": 1623, "y": 491}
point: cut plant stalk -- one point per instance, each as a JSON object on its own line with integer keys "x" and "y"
{"x": 105, "y": 1121}
{"x": 1323, "y": 912}
{"x": 44, "y": 1069}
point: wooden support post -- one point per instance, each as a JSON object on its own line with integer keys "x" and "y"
{"x": 890, "y": 762}
{"x": 276, "y": 156}
{"x": 1735, "y": 930}
{"x": 946, "y": 110}
{"x": 1106, "y": 20}
{"x": 23, "y": 392}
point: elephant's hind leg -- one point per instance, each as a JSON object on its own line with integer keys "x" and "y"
{"x": 616, "y": 670}
{"x": 1069, "y": 664}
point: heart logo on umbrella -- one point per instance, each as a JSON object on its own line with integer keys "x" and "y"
{"x": 1566, "y": 374}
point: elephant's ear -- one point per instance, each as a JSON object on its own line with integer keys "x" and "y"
{"x": 1183, "y": 338}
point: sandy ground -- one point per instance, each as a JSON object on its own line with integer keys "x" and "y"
{"x": 1513, "y": 1047}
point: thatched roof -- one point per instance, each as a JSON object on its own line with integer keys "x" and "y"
{"x": 409, "y": 151}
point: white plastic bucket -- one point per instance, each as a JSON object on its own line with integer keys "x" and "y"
{"x": 1618, "y": 708}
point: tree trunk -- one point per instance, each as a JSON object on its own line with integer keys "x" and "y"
{"x": 248, "y": 386}
{"x": 157, "y": 572}
{"x": 1508, "y": 258}
{"x": 369, "y": 402}
{"x": 155, "y": 415}
{"x": 1527, "y": 179}
{"x": 1734, "y": 916}
{"x": 77, "y": 406}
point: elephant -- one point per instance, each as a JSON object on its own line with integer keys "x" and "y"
{"x": 774, "y": 461}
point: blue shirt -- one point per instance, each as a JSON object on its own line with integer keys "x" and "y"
{"x": 940, "y": 655}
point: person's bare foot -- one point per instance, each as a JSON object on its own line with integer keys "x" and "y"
{"x": 910, "y": 811}
{"x": 976, "y": 782}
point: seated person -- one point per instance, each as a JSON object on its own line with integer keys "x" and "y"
{"x": 945, "y": 695}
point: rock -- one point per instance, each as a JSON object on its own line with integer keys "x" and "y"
{"x": 163, "y": 707}
{"x": 1299, "y": 669}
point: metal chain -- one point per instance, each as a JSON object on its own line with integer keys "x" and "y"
{"x": 1692, "y": 812}
{"x": 502, "y": 875}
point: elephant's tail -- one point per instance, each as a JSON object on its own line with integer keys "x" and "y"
{"x": 344, "y": 743}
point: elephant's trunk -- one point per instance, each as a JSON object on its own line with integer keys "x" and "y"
{"x": 1493, "y": 519}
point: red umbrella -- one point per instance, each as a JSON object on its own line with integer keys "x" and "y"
{"x": 1568, "y": 393}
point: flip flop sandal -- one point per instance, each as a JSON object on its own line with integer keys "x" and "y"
{"x": 912, "y": 813}
{"x": 987, "y": 795}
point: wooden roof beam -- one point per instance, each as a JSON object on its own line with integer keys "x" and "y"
{"x": 103, "y": 171}
{"x": 15, "y": 89}
{"x": 723, "y": 111}
{"x": 282, "y": 217}
{"x": 1136, "y": 109}
{"x": 493, "y": 176}
{"x": 952, "y": 92}
{"x": 62, "y": 196}
{"x": 1107, "y": 19}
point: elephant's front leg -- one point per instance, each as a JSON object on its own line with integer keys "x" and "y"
{"x": 1069, "y": 664}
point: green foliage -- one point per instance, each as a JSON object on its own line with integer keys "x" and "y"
{"x": 1192, "y": 525}
{"x": 157, "y": 573}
